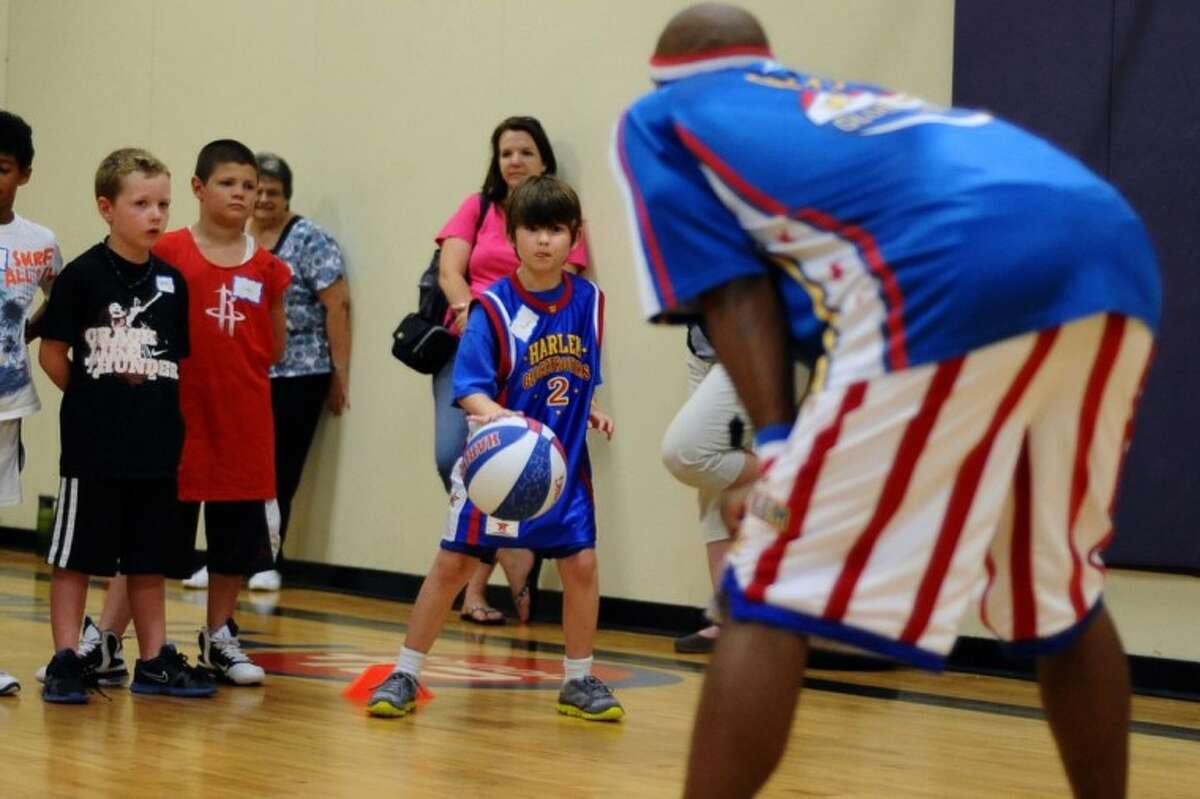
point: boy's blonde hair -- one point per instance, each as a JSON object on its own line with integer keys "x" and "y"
{"x": 119, "y": 163}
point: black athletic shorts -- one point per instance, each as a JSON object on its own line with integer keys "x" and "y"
{"x": 105, "y": 526}
{"x": 243, "y": 535}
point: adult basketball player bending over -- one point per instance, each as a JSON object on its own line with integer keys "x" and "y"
{"x": 987, "y": 307}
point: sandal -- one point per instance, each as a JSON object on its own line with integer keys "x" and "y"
{"x": 482, "y": 615}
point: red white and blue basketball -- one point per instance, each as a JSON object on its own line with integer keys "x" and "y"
{"x": 514, "y": 468}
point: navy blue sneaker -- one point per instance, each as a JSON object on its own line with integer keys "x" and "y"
{"x": 67, "y": 681}
{"x": 171, "y": 675}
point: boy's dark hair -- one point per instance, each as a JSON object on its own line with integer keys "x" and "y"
{"x": 273, "y": 166}
{"x": 16, "y": 139}
{"x": 494, "y": 187}
{"x": 541, "y": 201}
{"x": 222, "y": 151}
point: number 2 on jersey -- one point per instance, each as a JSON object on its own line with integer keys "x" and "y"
{"x": 559, "y": 392}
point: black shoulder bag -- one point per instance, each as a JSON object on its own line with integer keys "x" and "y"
{"x": 421, "y": 340}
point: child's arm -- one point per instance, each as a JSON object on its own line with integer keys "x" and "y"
{"x": 52, "y": 355}
{"x": 482, "y": 409}
{"x": 598, "y": 420}
{"x": 279, "y": 328}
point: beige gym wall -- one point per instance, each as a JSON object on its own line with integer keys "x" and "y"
{"x": 383, "y": 110}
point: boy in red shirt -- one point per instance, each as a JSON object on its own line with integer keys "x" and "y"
{"x": 238, "y": 329}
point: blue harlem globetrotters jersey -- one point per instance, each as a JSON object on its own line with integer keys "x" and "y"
{"x": 538, "y": 353}
{"x": 898, "y": 232}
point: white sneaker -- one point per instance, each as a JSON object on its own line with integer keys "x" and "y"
{"x": 199, "y": 580}
{"x": 8, "y": 684}
{"x": 221, "y": 653}
{"x": 102, "y": 655}
{"x": 269, "y": 580}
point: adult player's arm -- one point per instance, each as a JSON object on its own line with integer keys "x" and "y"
{"x": 747, "y": 327}
{"x": 53, "y": 358}
{"x": 687, "y": 241}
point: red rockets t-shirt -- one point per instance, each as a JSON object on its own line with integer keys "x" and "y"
{"x": 224, "y": 387}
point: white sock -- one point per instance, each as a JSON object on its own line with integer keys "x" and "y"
{"x": 576, "y": 669}
{"x": 410, "y": 662}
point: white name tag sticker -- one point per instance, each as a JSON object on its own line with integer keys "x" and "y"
{"x": 502, "y": 528}
{"x": 165, "y": 283}
{"x": 246, "y": 289}
{"x": 524, "y": 323}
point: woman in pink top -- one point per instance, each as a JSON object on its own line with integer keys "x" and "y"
{"x": 475, "y": 254}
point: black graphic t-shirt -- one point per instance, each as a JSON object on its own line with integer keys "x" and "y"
{"x": 127, "y": 325}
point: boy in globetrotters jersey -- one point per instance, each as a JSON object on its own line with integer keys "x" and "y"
{"x": 238, "y": 329}
{"x": 30, "y": 259}
{"x": 531, "y": 346}
{"x": 987, "y": 308}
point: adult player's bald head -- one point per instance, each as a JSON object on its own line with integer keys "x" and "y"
{"x": 709, "y": 26}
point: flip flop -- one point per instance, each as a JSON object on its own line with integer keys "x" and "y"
{"x": 482, "y": 615}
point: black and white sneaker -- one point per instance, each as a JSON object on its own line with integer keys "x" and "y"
{"x": 8, "y": 683}
{"x": 102, "y": 655}
{"x": 67, "y": 682}
{"x": 221, "y": 653}
{"x": 170, "y": 674}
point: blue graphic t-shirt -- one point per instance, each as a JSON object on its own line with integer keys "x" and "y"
{"x": 316, "y": 262}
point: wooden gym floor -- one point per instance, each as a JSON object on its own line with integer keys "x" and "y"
{"x": 491, "y": 728}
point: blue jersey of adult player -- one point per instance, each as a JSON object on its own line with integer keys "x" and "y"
{"x": 538, "y": 353}
{"x": 900, "y": 232}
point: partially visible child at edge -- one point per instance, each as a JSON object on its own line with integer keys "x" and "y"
{"x": 30, "y": 260}
{"x": 498, "y": 361}
{"x": 114, "y": 333}
{"x": 238, "y": 329}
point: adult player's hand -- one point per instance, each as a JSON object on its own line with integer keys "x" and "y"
{"x": 733, "y": 506}
{"x": 602, "y": 422}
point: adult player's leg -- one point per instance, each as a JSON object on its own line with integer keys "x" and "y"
{"x": 1077, "y": 444}
{"x": 746, "y": 709}
{"x": 68, "y": 595}
{"x": 1085, "y": 692}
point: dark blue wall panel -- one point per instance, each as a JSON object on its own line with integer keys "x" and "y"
{"x": 1114, "y": 82}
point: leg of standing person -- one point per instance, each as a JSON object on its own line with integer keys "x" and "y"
{"x": 242, "y": 540}
{"x": 397, "y": 695}
{"x": 583, "y": 695}
{"x": 699, "y": 450}
{"x": 296, "y": 404}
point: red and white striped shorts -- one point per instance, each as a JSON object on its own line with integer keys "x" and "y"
{"x": 986, "y": 477}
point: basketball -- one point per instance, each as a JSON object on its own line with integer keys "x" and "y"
{"x": 514, "y": 468}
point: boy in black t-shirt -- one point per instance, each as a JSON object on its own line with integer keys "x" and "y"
{"x": 121, "y": 313}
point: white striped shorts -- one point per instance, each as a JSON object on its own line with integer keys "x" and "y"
{"x": 989, "y": 477}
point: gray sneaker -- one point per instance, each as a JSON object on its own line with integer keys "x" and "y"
{"x": 589, "y": 698}
{"x": 394, "y": 697}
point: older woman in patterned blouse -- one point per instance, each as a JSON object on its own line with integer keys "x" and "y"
{"x": 315, "y": 370}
